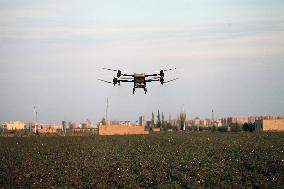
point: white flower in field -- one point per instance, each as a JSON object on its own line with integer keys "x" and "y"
{"x": 252, "y": 151}
{"x": 118, "y": 169}
{"x": 38, "y": 152}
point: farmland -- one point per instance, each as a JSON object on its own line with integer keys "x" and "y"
{"x": 164, "y": 160}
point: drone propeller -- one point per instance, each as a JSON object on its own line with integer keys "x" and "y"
{"x": 110, "y": 69}
{"x": 105, "y": 81}
{"x": 115, "y": 81}
{"x": 169, "y": 69}
{"x": 171, "y": 80}
{"x": 162, "y": 74}
{"x": 119, "y": 72}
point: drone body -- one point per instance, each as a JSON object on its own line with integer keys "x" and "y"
{"x": 139, "y": 80}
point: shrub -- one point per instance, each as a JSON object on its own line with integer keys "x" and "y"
{"x": 223, "y": 129}
{"x": 235, "y": 127}
{"x": 249, "y": 127}
{"x": 168, "y": 126}
{"x": 213, "y": 128}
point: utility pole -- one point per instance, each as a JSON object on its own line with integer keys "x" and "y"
{"x": 107, "y": 106}
{"x": 212, "y": 117}
{"x": 36, "y": 113}
{"x": 183, "y": 111}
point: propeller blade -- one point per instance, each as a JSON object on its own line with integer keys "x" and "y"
{"x": 105, "y": 81}
{"x": 171, "y": 80}
{"x": 169, "y": 69}
{"x": 110, "y": 69}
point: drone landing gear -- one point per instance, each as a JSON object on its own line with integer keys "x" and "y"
{"x": 145, "y": 90}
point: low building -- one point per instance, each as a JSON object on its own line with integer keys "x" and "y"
{"x": 48, "y": 128}
{"x": 197, "y": 121}
{"x": 75, "y": 125}
{"x": 122, "y": 130}
{"x": 206, "y": 122}
{"x": 156, "y": 129}
{"x": 120, "y": 123}
{"x": 269, "y": 125}
{"x": 234, "y": 120}
{"x": 13, "y": 125}
{"x": 218, "y": 123}
{"x": 85, "y": 130}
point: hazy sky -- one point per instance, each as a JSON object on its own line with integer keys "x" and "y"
{"x": 229, "y": 55}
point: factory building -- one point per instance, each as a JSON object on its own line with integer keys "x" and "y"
{"x": 269, "y": 125}
{"x": 13, "y": 125}
{"x": 48, "y": 128}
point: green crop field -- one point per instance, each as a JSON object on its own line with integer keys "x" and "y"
{"x": 164, "y": 160}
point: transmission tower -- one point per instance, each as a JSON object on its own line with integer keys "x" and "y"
{"x": 213, "y": 117}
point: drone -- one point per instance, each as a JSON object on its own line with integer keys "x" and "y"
{"x": 139, "y": 80}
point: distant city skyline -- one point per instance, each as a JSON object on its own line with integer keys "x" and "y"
{"x": 229, "y": 57}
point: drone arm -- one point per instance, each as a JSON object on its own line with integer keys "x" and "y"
{"x": 126, "y": 81}
{"x": 128, "y": 75}
{"x": 150, "y": 80}
{"x": 151, "y": 75}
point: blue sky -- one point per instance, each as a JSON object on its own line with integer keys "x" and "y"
{"x": 229, "y": 56}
